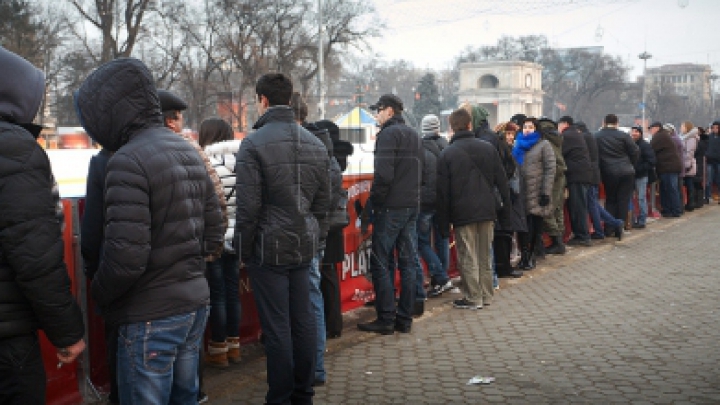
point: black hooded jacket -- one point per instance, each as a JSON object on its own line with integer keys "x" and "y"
{"x": 162, "y": 215}
{"x": 399, "y": 159}
{"x": 283, "y": 191}
{"x": 34, "y": 283}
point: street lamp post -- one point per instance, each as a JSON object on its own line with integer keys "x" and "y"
{"x": 321, "y": 61}
{"x": 644, "y": 56}
{"x": 712, "y": 77}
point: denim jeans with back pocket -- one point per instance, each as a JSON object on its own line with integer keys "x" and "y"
{"x": 158, "y": 360}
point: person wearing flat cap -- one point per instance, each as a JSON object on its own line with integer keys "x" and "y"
{"x": 668, "y": 166}
{"x": 172, "y": 107}
{"x": 395, "y": 198}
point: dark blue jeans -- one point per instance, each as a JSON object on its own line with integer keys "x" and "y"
{"x": 442, "y": 248}
{"x": 282, "y": 296}
{"x": 317, "y": 305}
{"x": 670, "y": 194}
{"x": 157, "y": 361}
{"x": 394, "y": 227}
{"x": 424, "y": 231}
{"x": 598, "y": 215}
{"x": 223, "y": 276}
{"x": 712, "y": 177}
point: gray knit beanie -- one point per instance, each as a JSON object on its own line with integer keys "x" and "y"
{"x": 430, "y": 124}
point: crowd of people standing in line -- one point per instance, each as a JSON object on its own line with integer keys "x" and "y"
{"x": 169, "y": 221}
{"x": 513, "y": 184}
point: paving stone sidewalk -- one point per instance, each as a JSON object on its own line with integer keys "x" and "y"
{"x": 625, "y": 322}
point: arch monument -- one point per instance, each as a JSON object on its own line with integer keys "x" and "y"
{"x": 504, "y": 88}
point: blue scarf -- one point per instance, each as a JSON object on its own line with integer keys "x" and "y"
{"x": 524, "y": 143}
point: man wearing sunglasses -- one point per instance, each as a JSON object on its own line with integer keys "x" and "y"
{"x": 395, "y": 198}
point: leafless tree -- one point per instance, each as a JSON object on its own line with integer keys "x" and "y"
{"x": 119, "y": 23}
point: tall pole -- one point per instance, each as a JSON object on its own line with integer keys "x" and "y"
{"x": 644, "y": 56}
{"x": 713, "y": 77}
{"x": 321, "y": 62}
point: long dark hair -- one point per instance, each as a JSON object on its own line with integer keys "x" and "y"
{"x": 214, "y": 130}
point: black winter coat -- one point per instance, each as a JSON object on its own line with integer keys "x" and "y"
{"x": 428, "y": 195}
{"x": 335, "y": 241}
{"x": 162, "y": 214}
{"x": 440, "y": 141}
{"x": 713, "y": 151}
{"x": 485, "y": 134}
{"x": 646, "y": 161}
{"x": 617, "y": 152}
{"x": 667, "y": 159}
{"x": 34, "y": 283}
{"x": 594, "y": 158}
{"x": 577, "y": 157}
{"x": 92, "y": 227}
{"x": 335, "y": 176}
{"x": 399, "y": 159}
{"x": 283, "y": 191}
{"x": 468, "y": 171}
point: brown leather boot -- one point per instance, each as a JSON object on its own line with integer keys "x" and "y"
{"x": 217, "y": 355}
{"x": 233, "y": 345}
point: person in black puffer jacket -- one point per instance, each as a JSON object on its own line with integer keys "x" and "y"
{"x": 34, "y": 283}
{"x": 162, "y": 218}
{"x": 283, "y": 196}
{"x": 578, "y": 175}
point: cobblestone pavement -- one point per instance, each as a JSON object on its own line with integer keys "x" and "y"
{"x": 620, "y": 322}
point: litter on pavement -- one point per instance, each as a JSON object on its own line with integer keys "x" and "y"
{"x": 478, "y": 379}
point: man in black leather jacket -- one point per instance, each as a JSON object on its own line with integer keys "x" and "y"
{"x": 395, "y": 197}
{"x": 283, "y": 195}
{"x": 162, "y": 218}
{"x": 34, "y": 284}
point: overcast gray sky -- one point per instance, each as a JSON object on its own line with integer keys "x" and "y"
{"x": 430, "y": 33}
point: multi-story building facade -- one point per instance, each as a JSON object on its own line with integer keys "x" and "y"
{"x": 687, "y": 79}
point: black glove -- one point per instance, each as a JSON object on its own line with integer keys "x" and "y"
{"x": 544, "y": 200}
{"x": 366, "y": 215}
{"x": 364, "y": 227}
